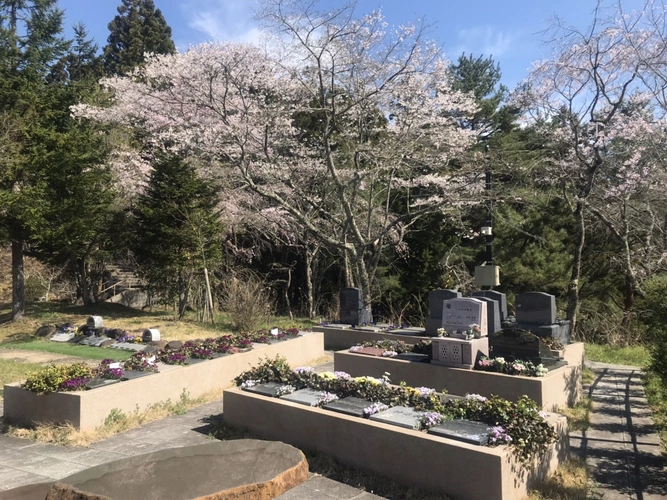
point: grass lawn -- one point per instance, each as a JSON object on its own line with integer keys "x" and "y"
{"x": 81, "y": 351}
{"x": 633, "y": 355}
{"x": 15, "y": 371}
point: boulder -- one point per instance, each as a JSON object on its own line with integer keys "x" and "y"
{"x": 174, "y": 344}
{"x": 46, "y": 331}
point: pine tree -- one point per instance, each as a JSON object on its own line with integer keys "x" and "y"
{"x": 177, "y": 230}
{"x": 138, "y": 28}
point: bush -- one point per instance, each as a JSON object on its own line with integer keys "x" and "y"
{"x": 58, "y": 378}
{"x": 247, "y": 302}
{"x": 655, "y": 318}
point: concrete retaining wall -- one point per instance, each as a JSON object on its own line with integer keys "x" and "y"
{"x": 88, "y": 409}
{"x": 558, "y": 389}
{"x": 462, "y": 471}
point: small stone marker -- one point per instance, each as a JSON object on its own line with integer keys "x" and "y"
{"x": 308, "y": 397}
{"x": 100, "y": 382}
{"x": 132, "y": 374}
{"x": 413, "y": 356}
{"x": 492, "y": 315}
{"x": 94, "y": 341}
{"x": 466, "y": 431}
{"x": 270, "y": 389}
{"x": 173, "y": 345}
{"x": 128, "y": 346}
{"x": 150, "y": 335}
{"x": 63, "y": 337}
{"x": 459, "y": 314}
{"x": 349, "y": 406}
{"x": 499, "y": 297}
{"x": 94, "y": 322}
{"x": 370, "y": 351}
{"x": 402, "y": 416}
{"x": 535, "y": 308}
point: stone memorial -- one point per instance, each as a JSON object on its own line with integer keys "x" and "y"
{"x": 414, "y": 357}
{"x": 458, "y": 316}
{"x": 100, "y": 382}
{"x": 536, "y": 312}
{"x": 150, "y": 335}
{"x": 349, "y": 406}
{"x": 515, "y": 343}
{"x": 63, "y": 337}
{"x": 128, "y": 346}
{"x": 435, "y": 300}
{"x": 353, "y": 311}
{"x": 94, "y": 341}
{"x": 308, "y": 397}
{"x": 465, "y": 431}
{"x": 499, "y": 297}
{"x": 94, "y": 322}
{"x": 458, "y": 353}
{"x": 132, "y": 374}
{"x": 402, "y": 416}
{"x": 370, "y": 351}
{"x": 271, "y": 389}
{"x": 492, "y": 315}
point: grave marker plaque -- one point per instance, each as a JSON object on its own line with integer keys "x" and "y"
{"x": 465, "y": 431}
{"x": 308, "y": 397}
{"x": 370, "y": 351}
{"x": 459, "y": 314}
{"x": 100, "y": 382}
{"x": 349, "y": 406}
{"x": 128, "y": 346}
{"x": 402, "y": 416}
{"x": 414, "y": 357}
{"x": 535, "y": 308}
{"x": 270, "y": 389}
{"x": 63, "y": 337}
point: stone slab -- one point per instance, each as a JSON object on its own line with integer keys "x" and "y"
{"x": 401, "y": 416}
{"x": 134, "y": 374}
{"x": 269, "y": 389}
{"x": 537, "y": 308}
{"x": 414, "y": 357}
{"x": 94, "y": 341}
{"x": 370, "y": 351}
{"x": 435, "y": 300}
{"x": 349, "y": 406}
{"x": 128, "y": 346}
{"x": 458, "y": 314}
{"x": 465, "y": 431}
{"x": 342, "y": 326}
{"x": 63, "y": 337}
{"x": 308, "y": 397}
{"x": 499, "y": 297}
{"x": 100, "y": 382}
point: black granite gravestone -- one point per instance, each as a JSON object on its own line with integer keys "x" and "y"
{"x": 435, "y": 301}
{"x": 402, "y": 416}
{"x": 413, "y": 356}
{"x": 535, "y": 308}
{"x": 499, "y": 297}
{"x": 516, "y": 344}
{"x": 308, "y": 397}
{"x": 271, "y": 389}
{"x": 352, "y": 308}
{"x": 492, "y": 314}
{"x": 466, "y": 431}
{"x": 349, "y": 406}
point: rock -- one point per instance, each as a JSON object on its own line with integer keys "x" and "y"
{"x": 29, "y": 492}
{"x": 107, "y": 343}
{"x": 252, "y": 468}
{"x": 60, "y": 491}
{"x": 115, "y": 333}
{"x": 150, "y": 349}
{"x": 160, "y": 344}
{"x": 174, "y": 344}
{"x": 45, "y": 331}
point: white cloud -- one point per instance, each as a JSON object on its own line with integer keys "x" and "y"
{"x": 484, "y": 40}
{"x": 222, "y": 20}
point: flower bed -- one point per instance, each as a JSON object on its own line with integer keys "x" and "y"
{"x": 524, "y": 450}
{"x": 559, "y": 388}
{"x": 87, "y": 409}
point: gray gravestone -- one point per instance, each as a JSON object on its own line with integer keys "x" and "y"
{"x": 466, "y": 431}
{"x": 128, "y": 346}
{"x": 535, "y": 308}
{"x": 132, "y": 374}
{"x": 352, "y": 309}
{"x": 458, "y": 314}
{"x": 100, "y": 382}
{"x": 413, "y": 356}
{"x": 402, "y": 416}
{"x": 559, "y": 331}
{"x": 270, "y": 389}
{"x": 492, "y": 314}
{"x": 349, "y": 406}
{"x": 94, "y": 341}
{"x": 499, "y": 297}
{"x": 435, "y": 300}
{"x": 308, "y": 397}
{"x": 63, "y": 337}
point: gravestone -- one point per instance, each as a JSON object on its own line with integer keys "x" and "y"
{"x": 499, "y": 297}
{"x": 514, "y": 343}
{"x": 535, "y": 308}
{"x": 402, "y": 416}
{"x": 63, "y": 337}
{"x": 459, "y": 314}
{"x": 349, "y": 406}
{"x": 370, "y": 351}
{"x": 435, "y": 300}
{"x": 414, "y": 357}
{"x": 150, "y": 335}
{"x": 100, "y": 382}
{"x": 465, "y": 431}
{"x": 308, "y": 397}
{"x": 94, "y": 341}
{"x": 94, "y": 322}
{"x": 128, "y": 346}
{"x": 271, "y": 389}
{"x": 133, "y": 374}
{"x": 492, "y": 314}
{"x": 352, "y": 308}
{"x": 46, "y": 331}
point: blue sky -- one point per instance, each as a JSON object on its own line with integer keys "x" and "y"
{"x": 510, "y": 30}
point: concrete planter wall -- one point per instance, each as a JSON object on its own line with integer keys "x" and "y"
{"x": 88, "y": 409}
{"x": 459, "y": 470}
{"x": 558, "y": 389}
{"x": 338, "y": 338}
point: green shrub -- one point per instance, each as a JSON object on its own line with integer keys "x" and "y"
{"x": 52, "y": 378}
{"x": 655, "y": 318}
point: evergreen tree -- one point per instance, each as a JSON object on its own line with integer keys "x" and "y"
{"x": 177, "y": 230}
{"x": 138, "y": 28}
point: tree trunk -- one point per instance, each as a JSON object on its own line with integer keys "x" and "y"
{"x": 309, "y": 281}
{"x": 183, "y": 293}
{"x": 83, "y": 277}
{"x": 18, "y": 280}
{"x": 629, "y": 301}
{"x": 573, "y": 286}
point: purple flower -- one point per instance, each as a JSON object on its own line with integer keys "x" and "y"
{"x": 389, "y": 354}
{"x": 303, "y": 369}
{"x": 356, "y": 348}
{"x": 375, "y": 408}
{"x": 497, "y": 435}
{"x": 249, "y": 383}
{"x": 343, "y": 375}
{"x": 429, "y": 419}
{"x": 424, "y": 392}
{"x": 326, "y": 397}
{"x": 74, "y": 384}
{"x": 475, "y": 397}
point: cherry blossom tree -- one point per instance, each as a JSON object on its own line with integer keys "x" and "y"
{"x": 381, "y": 131}
{"x": 604, "y": 122}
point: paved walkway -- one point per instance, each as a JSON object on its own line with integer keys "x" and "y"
{"x": 621, "y": 446}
